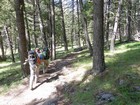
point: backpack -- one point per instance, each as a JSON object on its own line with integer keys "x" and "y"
{"x": 32, "y": 56}
{"x": 46, "y": 53}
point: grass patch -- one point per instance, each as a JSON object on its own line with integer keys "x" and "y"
{"x": 10, "y": 76}
{"x": 83, "y": 60}
{"x": 121, "y": 77}
{"x": 61, "y": 53}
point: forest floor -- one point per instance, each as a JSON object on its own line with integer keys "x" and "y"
{"x": 49, "y": 89}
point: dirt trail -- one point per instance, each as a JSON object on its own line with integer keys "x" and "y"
{"x": 60, "y": 73}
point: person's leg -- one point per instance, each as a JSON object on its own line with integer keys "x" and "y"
{"x": 31, "y": 81}
{"x": 36, "y": 74}
{"x": 45, "y": 65}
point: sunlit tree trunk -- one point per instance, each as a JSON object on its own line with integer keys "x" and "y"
{"x": 112, "y": 43}
{"x": 9, "y": 43}
{"x": 41, "y": 23}
{"x": 27, "y": 32}
{"x": 1, "y": 45}
{"x": 84, "y": 22}
{"x": 53, "y": 44}
{"x": 108, "y": 22}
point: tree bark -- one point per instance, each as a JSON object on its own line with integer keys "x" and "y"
{"x": 63, "y": 27}
{"x": 53, "y": 45}
{"x": 1, "y": 45}
{"x": 98, "y": 37}
{"x": 48, "y": 19}
{"x": 19, "y": 7}
{"x": 72, "y": 24}
{"x": 34, "y": 24}
{"x": 41, "y": 23}
{"x": 9, "y": 43}
{"x": 108, "y": 22}
{"x": 78, "y": 22}
{"x": 129, "y": 32}
{"x": 84, "y": 22}
{"x": 27, "y": 31}
{"x": 112, "y": 43}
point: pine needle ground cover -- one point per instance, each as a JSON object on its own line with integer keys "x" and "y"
{"x": 121, "y": 78}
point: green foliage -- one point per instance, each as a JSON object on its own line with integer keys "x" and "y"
{"x": 88, "y": 9}
{"x": 61, "y": 53}
{"x": 6, "y": 11}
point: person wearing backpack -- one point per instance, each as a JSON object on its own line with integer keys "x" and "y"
{"x": 44, "y": 55}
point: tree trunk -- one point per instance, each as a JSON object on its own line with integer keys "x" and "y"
{"x": 78, "y": 22}
{"x": 84, "y": 22}
{"x": 129, "y": 21}
{"x": 1, "y": 45}
{"x": 134, "y": 14}
{"x": 27, "y": 32}
{"x": 19, "y": 7}
{"x": 34, "y": 24}
{"x": 63, "y": 27}
{"x": 48, "y": 19}
{"x": 98, "y": 37}
{"x": 120, "y": 34}
{"x": 112, "y": 44}
{"x": 108, "y": 22}
{"x": 42, "y": 28}
{"x": 53, "y": 46}
{"x": 72, "y": 29}
{"x": 9, "y": 43}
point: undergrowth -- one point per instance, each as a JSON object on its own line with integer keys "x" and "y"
{"x": 121, "y": 77}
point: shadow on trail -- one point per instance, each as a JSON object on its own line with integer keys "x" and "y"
{"x": 55, "y": 68}
{"x": 47, "y": 80}
{"x": 36, "y": 102}
{"x": 54, "y": 72}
